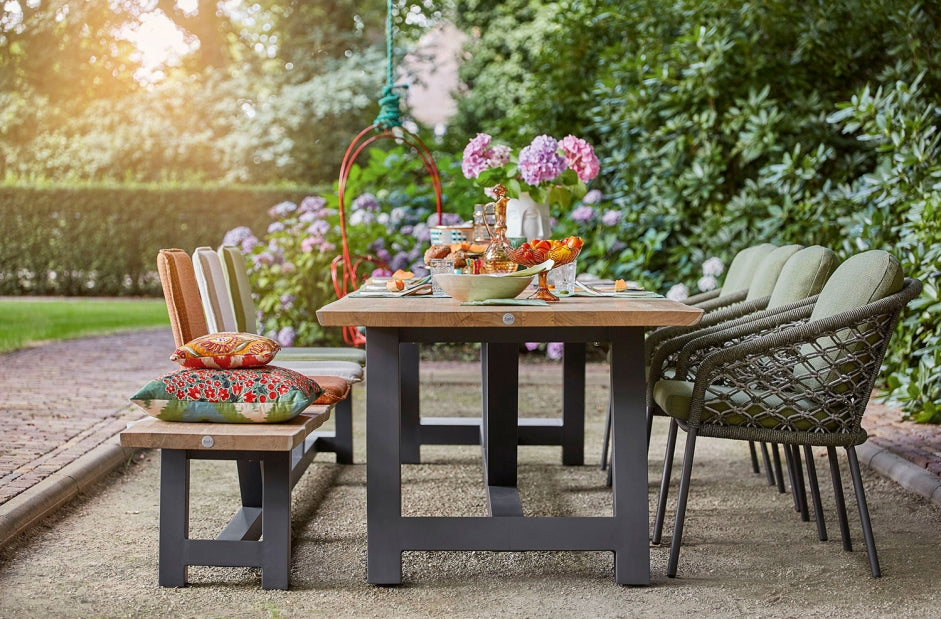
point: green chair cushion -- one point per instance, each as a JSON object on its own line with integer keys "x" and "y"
{"x": 770, "y": 410}
{"x": 240, "y": 288}
{"x": 803, "y": 275}
{"x": 768, "y": 271}
{"x": 742, "y": 270}
{"x": 863, "y": 278}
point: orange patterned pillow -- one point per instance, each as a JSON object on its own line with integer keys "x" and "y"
{"x": 226, "y": 350}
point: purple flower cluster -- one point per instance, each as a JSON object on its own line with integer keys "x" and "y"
{"x": 583, "y": 214}
{"x": 241, "y": 237}
{"x": 611, "y": 218}
{"x": 540, "y": 161}
{"x": 366, "y": 202}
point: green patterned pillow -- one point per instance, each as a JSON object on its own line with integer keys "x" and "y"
{"x": 267, "y": 394}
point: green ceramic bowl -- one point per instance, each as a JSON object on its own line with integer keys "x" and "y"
{"x": 481, "y": 287}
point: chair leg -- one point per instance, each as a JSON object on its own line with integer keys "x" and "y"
{"x": 839, "y": 500}
{"x": 649, "y": 425}
{"x": 606, "y": 441}
{"x": 778, "y": 473}
{"x": 681, "y": 503}
{"x": 863, "y": 512}
{"x": 801, "y": 488}
{"x": 767, "y": 460}
{"x": 664, "y": 483}
{"x": 796, "y": 482}
{"x": 754, "y": 458}
{"x": 815, "y": 493}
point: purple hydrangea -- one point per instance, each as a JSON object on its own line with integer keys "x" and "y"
{"x": 554, "y": 350}
{"x": 399, "y": 261}
{"x": 540, "y": 162}
{"x": 366, "y": 202}
{"x": 421, "y": 232}
{"x": 312, "y": 204}
{"x": 241, "y": 237}
{"x": 282, "y": 209}
{"x": 593, "y": 197}
{"x": 531, "y": 346}
{"x": 611, "y": 218}
{"x": 286, "y": 336}
{"x": 447, "y": 219}
{"x": 287, "y": 301}
{"x": 275, "y": 226}
{"x": 309, "y": 244}
{"x": 583, "y": 214}
{"x": 362, "y": 217}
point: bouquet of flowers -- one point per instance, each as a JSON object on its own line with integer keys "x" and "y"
{"x": 550, "y": 170}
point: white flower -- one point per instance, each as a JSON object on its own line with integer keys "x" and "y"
{"x": 678, "y": 292}
{"x": 713, "y": 266}
{"x": 707, "y": 283}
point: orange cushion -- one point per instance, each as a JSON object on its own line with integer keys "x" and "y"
{"x": 334, "y": 388}
{"x": 226, "y": 350}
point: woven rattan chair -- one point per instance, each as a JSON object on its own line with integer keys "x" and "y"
{"x": 799, "y": 379}
{"x": 793, "y": 283}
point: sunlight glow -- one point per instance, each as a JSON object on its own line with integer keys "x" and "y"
{"x": 160, "y": 44}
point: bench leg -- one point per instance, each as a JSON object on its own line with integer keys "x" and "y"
{"x": 276, "y": 521}
{"x": 174, "y": 516}
{"x": 343, "y": 437}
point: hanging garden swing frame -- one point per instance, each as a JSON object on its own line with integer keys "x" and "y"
{"x": 388, "y": 125}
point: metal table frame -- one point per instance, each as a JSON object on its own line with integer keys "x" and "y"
{"x": 625, "y": 532}
{"x": 567, "y": 431}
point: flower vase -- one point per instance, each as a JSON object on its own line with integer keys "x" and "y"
{"x": 526, "y": 218}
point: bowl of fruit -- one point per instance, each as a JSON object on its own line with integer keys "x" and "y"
{"x": 539, "y": 250}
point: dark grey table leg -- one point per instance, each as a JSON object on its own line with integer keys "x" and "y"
{"x": 573, "y": 404}
{"x": 500, "y": 369}
{"x": 629, "y": 462}
{"x": 384, "y": 474}
{"x": 411, "y": 419}
{"x": 174, "y": 516}
{"x": 276, "y": 521}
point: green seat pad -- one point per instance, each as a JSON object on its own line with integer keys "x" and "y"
{"x": 324, "y": 353}
{"x": 768, "y": 409}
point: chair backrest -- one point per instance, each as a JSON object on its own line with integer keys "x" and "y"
{"x": 181, "y": 293}
{"x": 240, "y": 289}
{"x": 743, "y": 267}
{"x": 803, "y": 275}
{"x": 840, "y": 358}
{"x": 214, "y": 291}
{"x": 863, "y": 278}
{"x": 768, "y": 270}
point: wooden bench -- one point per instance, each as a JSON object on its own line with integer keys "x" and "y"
{"x": 270, "y": 460}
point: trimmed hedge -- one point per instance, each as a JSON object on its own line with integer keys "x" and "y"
{"x": 103, "y": 241}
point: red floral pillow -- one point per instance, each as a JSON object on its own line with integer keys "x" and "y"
{"x": 226, "y": 350}
{"x": 267, "y": 394}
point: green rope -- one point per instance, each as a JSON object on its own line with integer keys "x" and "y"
{"x": 389, "y": 111}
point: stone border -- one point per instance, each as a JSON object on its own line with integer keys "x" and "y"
{"x": 30, "y": 506}
{"x": 907, "y": 474}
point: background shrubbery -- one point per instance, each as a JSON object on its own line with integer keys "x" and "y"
{"x": 104, "y": 240}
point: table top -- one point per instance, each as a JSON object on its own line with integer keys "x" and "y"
{"x": 447, "y": 312}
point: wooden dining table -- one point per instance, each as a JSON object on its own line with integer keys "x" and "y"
{"x": 394, "y": 323}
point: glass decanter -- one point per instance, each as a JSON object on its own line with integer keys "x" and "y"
{"x": 499, "y": 255}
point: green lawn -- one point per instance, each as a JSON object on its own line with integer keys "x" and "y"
{"x": 27, "y": 321}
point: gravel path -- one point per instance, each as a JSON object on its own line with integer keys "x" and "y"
{"x": 745, "y": 552}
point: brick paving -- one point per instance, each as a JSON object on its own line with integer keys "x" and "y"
{"x": 58, "y": 401}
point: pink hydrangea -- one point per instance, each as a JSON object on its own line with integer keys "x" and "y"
{"x": 540, "y": 162}
{"x": 477, "y": 155}
{"x": 580, "y": 156}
